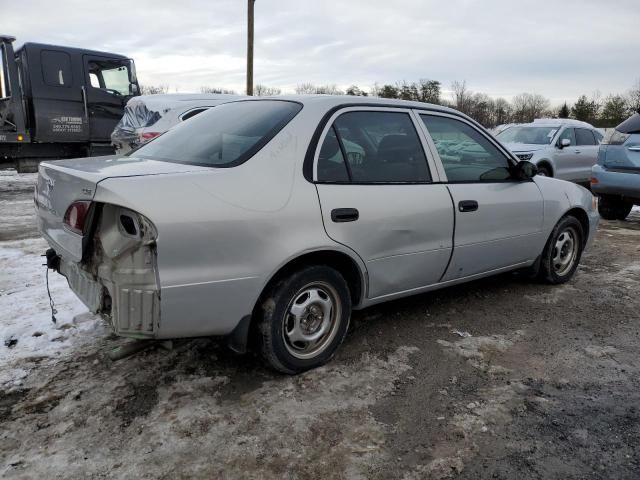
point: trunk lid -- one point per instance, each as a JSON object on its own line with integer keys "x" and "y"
{"x": 63, "y": 182}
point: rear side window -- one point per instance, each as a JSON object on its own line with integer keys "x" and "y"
{"x": 56, "y": 68}
{"x": 380, "y": 147}
{"x": 224, "y": 136}
{"x": 584, "y": 137}
{"x": 192, "y": 113}
{"x": 630, "y": 125}
{"x": 467, "y": 156}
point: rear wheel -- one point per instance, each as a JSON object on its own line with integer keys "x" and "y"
{"x": 614, "y": 208}
{"x": 305, "y": 318}
{"x": 562, "y": 252}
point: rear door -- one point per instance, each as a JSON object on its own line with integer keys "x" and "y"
{"x": 587, "y": 153}
{"x": 107, "y": 89}
{"x": 378, "y": 197}
{"x": 498, "y": 220}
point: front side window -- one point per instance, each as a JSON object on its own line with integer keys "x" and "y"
{"x": 584, "y": 137}
{"x": 467, "y": 156}
{"x": 111, "y": 76}
{"x": 569, "y": 134}
{"x": 528, "y": 135}
{"x": 224, "y": 136}
{"x": 380, "y": 147}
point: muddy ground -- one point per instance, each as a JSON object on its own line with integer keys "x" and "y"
{"x": 501, "y": 378}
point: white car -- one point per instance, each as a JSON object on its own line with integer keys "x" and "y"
{"x": 147, "y": 116}
{"x": 561, "y": 148}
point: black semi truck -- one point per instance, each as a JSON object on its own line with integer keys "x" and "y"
{"x": 59, "y": 102}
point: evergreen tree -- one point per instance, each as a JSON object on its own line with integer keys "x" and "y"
{"x": 564, "y": 111}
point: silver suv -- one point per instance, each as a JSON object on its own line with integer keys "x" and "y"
{"x": 561, "y": 148}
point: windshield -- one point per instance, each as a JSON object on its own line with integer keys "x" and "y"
{"x": 526, "y": 134}
{"x": 224, "y": 136}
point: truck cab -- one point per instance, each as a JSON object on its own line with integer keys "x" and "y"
{"x": 60, "y": 102}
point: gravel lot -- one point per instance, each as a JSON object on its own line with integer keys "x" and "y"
{"x": 501, "y": 378}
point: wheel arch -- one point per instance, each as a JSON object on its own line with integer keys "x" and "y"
{"x": 545, "y": 162}
{"x": 581, "y": 215}
{"x": 353, "y": 273}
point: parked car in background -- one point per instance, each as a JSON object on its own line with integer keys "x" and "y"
{"x": 616, "y": 177}
{"x": 147, "y": 116}
{"x": 561, "y": 148}
{"x": 274, "y": 218}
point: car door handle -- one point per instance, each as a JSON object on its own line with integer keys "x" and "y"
{"x": 578, "y": 151}
{"x": 635, "y": 148}
{"x": 467, "y": 205}
{"x": 341, "y": 215}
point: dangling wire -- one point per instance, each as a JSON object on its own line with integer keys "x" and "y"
{"x": 51, "y": 303}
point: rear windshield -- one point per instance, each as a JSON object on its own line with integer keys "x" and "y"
{"x": 224, "y": 136}
{"x": 630, "y": 125}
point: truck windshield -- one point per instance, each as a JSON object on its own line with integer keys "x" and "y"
{"x": 224, "y": 136}
{"x": 526, "y": 134}
{"x": 112, "y": 76}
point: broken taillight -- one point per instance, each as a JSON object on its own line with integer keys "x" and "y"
{"x": 76, "y": 216}
{"x": 146, "y": 136}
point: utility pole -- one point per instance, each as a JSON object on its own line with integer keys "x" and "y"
{"x": 250, "y": 4}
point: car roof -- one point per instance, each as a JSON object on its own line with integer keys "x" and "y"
{"x": 332, "y": 101}
{"x": 559, "y": 122}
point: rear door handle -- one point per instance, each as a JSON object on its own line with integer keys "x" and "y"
{"x": 468, "y": 206}
{"x": 341, "y": 215}
{"x": 635, "y": 148}
{"x": 578, "y": 151}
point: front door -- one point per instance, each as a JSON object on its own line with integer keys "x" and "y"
{"x": 107, "y": 89}
{"x": 567, "y": 159}
{"x": 378, "y": 198}
{"x": 498, "y": 220}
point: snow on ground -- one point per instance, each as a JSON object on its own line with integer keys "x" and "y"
{"x": 11, "y": 180}
{"x": 25, "y": 316}
{"x": 27, "y": 334}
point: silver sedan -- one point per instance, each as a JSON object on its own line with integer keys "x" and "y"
{"x": 273, "y": 218}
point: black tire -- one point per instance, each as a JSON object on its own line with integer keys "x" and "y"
{"x": 553, "y": 268}
{"x": 544, "y": 171}
{"x": 614, "y": 208}
{"x": 278, "y": 327}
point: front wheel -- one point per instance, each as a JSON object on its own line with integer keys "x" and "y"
{"x": 305, "y": 318}
{"x": 562, "y": 252}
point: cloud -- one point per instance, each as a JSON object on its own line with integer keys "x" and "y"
{"x": 558, "y": 49}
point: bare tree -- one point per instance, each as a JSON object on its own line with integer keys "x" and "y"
{"x": 633, "y": 99}
{"x": 264, "y": 91}
{"x": 529, "y": 106}
{"x": 312, "y": 89}
{"x": 462, "y": 97}
{"x": 153, "y": 89}
{"x": 206, "y": 89}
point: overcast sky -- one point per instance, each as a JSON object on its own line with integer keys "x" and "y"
{"x": 558, "y": 48}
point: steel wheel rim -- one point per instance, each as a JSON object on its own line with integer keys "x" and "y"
{"x": 565, "y": 251}
{"x": 311, "y": 320}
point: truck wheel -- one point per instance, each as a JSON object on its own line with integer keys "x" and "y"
{"x": 305, "y": 318}
{"x": 561, "y": 254}
{"x": 613, "y": 208}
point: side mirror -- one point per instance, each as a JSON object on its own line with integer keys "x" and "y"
{"x": 524, "y": 170}
{"x": 565, "y": 142}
